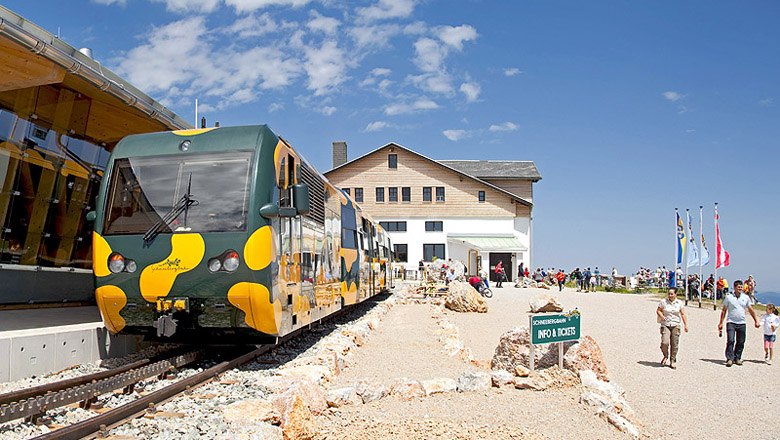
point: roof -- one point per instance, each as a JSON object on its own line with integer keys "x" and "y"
{"x": 442, "y": 163}
{"x": 496, "y": 169}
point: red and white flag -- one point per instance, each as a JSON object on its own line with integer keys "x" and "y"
{"x": 722, "y": 259}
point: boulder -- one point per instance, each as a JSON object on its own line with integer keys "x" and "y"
{"x": 339, "y": 397}
{"x": 521, "y": 371}
{"x": 609, "y": 391}
{"x": 502, "y": 378}
{"x": 309, "y": 393}
{"x": 474, "y": 381}
{"x": 586, "y": 355}
{"x": 513, "y": 350}
{"x": 555, "y": 377}
{"x": 370, "y": 392}
{"x": 439, "y": 385}
{"x": 298, "y": 422}
{"x": 249, "y": 412}
{"x": 530, "y": 383}
{"x": 545, "y": 303}
{"x": 407, "y": 389}
{"x": 464, "y": 298}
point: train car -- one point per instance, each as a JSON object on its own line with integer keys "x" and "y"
{"x": 226, "y": 235}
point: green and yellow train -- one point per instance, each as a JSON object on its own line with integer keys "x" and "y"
{"x": 226, "y": 235}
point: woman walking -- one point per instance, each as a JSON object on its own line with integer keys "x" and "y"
{"x": 670, "y": 313}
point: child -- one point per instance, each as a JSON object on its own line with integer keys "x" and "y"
{"x": 770, "y": 322}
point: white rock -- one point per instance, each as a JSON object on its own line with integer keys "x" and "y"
{"x": 474, "y": 381}
{"x": 439, "y": 385}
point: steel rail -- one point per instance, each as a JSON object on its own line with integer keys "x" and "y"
{"x": 81, "y": 393}
{"x": 116, "y": 415}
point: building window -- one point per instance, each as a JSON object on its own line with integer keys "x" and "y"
{"x": 426, "y": 194}
{"x": 392, "y": 161}
{"x": 394, "y": 226}
{"x": 400, "y": 251}
{"x": 380, "y": 195}
{"x": 346, "y": 190}
{"x": 481, "y": 196}
{"x": 433, "y": 250}
{"x": 359, "y": 195}
{"x": 406, "y": 194}
{"x": 434, "y": 226}
{"x": 392, "y": 194}
{"x": 439, "y": 193}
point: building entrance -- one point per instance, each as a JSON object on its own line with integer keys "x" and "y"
{"x": 506, "y": 259}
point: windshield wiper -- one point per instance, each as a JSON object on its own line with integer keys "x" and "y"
{"x": 183, "y": 205}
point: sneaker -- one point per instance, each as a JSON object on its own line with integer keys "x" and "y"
{"x": 769, "y": 361}
{"x": 738, "y": 362}
{"x": 673, "y": 365}
{"x": 729, "y": 363}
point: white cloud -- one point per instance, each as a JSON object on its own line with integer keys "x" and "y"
{"x": 767, "y": 102}
{"x": 253, "y": 5}
{"x": 436, "y": 82}
{"x": 512, "y": 71}
{"x": 110, "y": 2}
{"x": 326, "y": 25}
{"x": 376, "y": 126}
{"x": 504, "y": 126}
{"x": 471, "y": 90}
{"x": 386, "y": 9}
{"x": 454, "y": 36}
{"x": 429, "y": 55}
{"x": 274, "y": 107}
{"x": 326, "y": 67}
{"x": 381, "y": 71}
{"x": 673, "y": 96}
{"x": 185, "y": 6}
{"x": 327, "y": 110}
{"x": 454, "y": 135}
{"x": 374, "y": 36}
{"x": 418, "y": 105}
{"x": 256, "y": 26}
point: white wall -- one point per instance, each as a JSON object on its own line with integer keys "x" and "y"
{"x": 415, "y": 235}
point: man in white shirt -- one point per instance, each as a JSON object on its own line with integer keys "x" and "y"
{"x": 735, "y": 306}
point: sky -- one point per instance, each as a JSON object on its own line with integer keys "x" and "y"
{"x": 628, "y": 109}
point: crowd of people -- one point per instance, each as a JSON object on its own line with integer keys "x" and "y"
{"x": 737, "y": 304}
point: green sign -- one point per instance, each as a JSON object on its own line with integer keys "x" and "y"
{"x": 546, "y": 329}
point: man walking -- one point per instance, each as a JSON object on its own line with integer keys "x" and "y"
{"x": 735, "y": 305}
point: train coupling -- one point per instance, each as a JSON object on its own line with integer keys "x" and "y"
{"x": 165, "y": 323}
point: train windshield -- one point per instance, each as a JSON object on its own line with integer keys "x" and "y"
{"x": 146, "y": 194}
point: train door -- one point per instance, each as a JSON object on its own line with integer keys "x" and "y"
{"x": 290, "y": 236}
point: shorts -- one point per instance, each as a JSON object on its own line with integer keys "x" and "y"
{"x": 769, "y": 341}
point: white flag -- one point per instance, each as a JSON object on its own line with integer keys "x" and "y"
{"x": 693, "y": 256}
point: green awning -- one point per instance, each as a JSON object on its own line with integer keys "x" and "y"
{"x": 489, "y": 242}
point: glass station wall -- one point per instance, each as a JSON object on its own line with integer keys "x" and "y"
{"x": 50, "y": 170}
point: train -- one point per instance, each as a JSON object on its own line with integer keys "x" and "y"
{"x": 227, "y": 234}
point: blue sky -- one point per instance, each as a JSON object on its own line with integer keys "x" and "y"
{"x": 629, "y": 109}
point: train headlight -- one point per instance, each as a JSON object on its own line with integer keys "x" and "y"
{"x": 130, "y": 266}
{"x": 116, "y": 263}
{"x": 215, "y": 265}
{"x": 230, "y": 261}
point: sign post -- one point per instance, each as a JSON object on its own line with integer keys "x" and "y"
{"x": 547, "y": 329}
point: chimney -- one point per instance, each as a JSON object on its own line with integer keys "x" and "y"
{"x": 339, "y": 153}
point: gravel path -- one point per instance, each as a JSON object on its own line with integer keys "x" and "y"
{"x": 698, "y": 400}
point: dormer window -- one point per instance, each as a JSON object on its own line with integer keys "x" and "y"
{"x": 392, "y": 161}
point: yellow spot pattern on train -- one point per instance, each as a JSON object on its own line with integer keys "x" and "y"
{"x": 255, "y": 301}
{"x": 110, "y": 301}
{"x": 259, "y": 249}
{"x": 100, "y": 252}
{"x": 157, "y": 279}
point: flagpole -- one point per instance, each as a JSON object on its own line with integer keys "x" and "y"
{"x": 676, "y": 249}
{"x": 688, "y": 225}
{"x": 701, "y": 253}
{"x": 715, "y": 302}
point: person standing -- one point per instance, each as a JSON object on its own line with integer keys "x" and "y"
{"x": 750, "y": 288}
{"x": 597, "y": 273}
{"x": 586, "y": 280}
{"x": 561, "y": 278}
{"x": 734, "y": 305}
{"x": 499, "y": 270}
{"x": 770, "y": 322}
{"x": 671, "y": 312}
{"x": 520, "y": 273}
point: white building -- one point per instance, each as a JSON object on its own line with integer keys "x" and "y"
{"x": 476, "y": 211}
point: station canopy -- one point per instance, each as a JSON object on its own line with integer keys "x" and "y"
{"x": 489, "y": 242}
